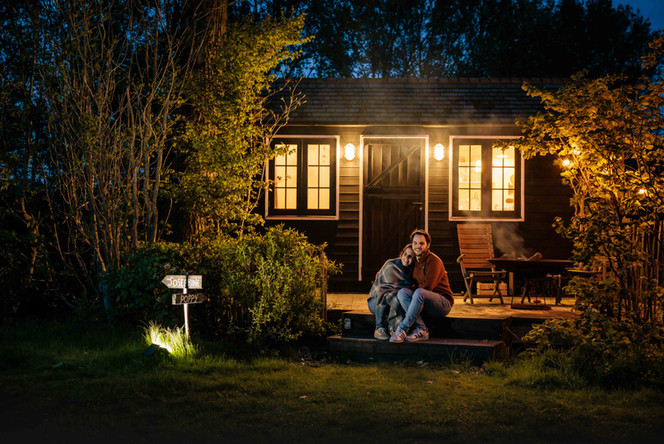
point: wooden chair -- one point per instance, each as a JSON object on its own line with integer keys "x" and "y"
{"x": 476, "y": 248}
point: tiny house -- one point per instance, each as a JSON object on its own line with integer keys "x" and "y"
{"x": 370, "y": 160}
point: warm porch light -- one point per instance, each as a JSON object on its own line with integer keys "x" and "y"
{"x": 566, "y": 163}
{"x": 439, "y": 151}
{"x": 349, "y": 151}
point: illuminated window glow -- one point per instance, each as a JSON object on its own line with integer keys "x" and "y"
{"x": 304, "y": 178}
{"x": 486, "y": 180}
{"x": 285, "y": 180}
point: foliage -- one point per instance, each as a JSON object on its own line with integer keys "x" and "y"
{"x": 262, "y": 288}
{"x": 605, "y": 350}
{"x": 277, "y": 278}
{"x": 135, "y": 287}
{"x": 91, "y": 108}
{"x": 479, "y": 38}
{"x": 228, "y": 139}
{"x": 608, "y": 135}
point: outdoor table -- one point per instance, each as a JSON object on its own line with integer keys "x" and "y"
{"x": 532, "y": 272}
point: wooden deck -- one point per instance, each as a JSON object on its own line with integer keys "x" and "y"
{"x": 481, "y": 307}
{"x": 481, "y": 331}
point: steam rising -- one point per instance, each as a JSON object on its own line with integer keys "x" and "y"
{"x": 509, "y": 241}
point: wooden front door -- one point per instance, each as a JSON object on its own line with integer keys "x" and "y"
{"x": 393, "y": 199}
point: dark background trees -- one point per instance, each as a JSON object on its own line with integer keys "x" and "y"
{"x": 448, "y": 38}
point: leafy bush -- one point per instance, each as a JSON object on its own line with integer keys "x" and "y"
{"x": 265, "y": 288}
{"x": 136, "y": 288}
{"x": 603, "y": 350}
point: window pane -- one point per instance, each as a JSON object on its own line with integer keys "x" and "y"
{"x": 324, "y": 154}
{"x": 324, "y": 175}
{"x": 509, "y": 178}
{"x": 291, "y": 159}
{"x": 464, "y": 178}
{"x": 475, "y": 200}
{"x": 291, "y": 179}
{"x": 510, "y": 157}
{"x": 312, "y": 199}
{"x": 291, "y": 198}
{"x": 464, "y": 155}
{"x": 497, "y": 200}
{"x": 312, "y": 155}
{"x": 280, "y": 160}
{"x": 497, "y": 178}
{"x": 476, "y": 155}
{"x": 464, "y": 200}
{"x": 280, "y": 198}
{"x": 280, "y": 176}
{"x": 509, "y": 201}
{"x": 475, "y": 178}
{"x": 312, "y": 177}
{"x": 324, "y": 201}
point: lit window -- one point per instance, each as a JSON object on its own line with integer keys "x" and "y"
{"x": 486, "y": 180}
{"x": 285, "y": 180}
{"x": 503, "y": 175}
{"x": 304, "y": 179}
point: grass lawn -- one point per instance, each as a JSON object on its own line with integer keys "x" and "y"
{"x": 60, "y": 383}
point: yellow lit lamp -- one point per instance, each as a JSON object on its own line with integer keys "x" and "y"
{"x": 439, "y": 151}
{"x": 349, "y": 151}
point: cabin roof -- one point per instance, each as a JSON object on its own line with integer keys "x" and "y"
{"x": 439, "y": 101}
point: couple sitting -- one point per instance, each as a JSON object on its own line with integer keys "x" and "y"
{"x": 405, "y": 286}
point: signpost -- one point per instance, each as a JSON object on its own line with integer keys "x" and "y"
{"x": 195, "y": 282}
{"x": 185, "y": 282}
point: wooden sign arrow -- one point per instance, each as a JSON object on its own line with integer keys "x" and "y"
{"x": 183, "y": 281}
{"x": 188, "y": 298}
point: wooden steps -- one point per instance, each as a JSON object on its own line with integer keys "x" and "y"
{"x": 477, "y": 339}
{"x": 363, "y": 348}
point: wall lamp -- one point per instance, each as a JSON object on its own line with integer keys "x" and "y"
{"x": 439, "y": 151}
{"x": 349, "y": 151}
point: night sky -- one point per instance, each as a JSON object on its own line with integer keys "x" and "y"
{"x": 651, "y": 9}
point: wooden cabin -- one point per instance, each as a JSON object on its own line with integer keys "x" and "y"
{"x": 372, "y": 159}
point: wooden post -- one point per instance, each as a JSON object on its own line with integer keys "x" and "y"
{"x": 186, "y": 311}
{"x": 323, "y": 293}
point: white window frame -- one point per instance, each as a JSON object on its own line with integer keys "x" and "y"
{"x": 334, "y": 216}
{"x": 451, "y": 204}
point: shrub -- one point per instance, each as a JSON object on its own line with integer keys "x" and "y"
{"x": 265, "y": 288}
{"x": 136, "y": 288}
{"x": 270, "y": 287}
{"x": 606, "y": 351}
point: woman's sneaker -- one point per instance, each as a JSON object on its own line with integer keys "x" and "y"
{"x": 420, "y": 334}
{"x": 398, "y": 336}
{"x": 381, "y": 334}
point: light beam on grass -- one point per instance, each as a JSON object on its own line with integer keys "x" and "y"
{"x": 173, "y": 340}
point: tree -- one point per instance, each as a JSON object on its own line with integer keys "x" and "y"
{"x": 479, "y": 38}
{"x": 609, "y": 137}
{"x": 228, "y": 139}
{"x": 23, "y": 144}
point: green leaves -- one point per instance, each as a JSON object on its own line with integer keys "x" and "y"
{"x": 609, "y": 139}
{"x": 228, "y": 139}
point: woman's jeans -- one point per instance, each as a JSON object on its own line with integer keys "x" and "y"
{"x": 379, "y": 311}
{"x": 413, "y": 302}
